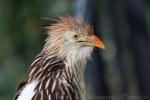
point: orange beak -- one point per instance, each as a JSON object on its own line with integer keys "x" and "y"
{"x": 96, "y": 42}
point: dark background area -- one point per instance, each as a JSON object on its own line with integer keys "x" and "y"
{"x": 122, "y": 69}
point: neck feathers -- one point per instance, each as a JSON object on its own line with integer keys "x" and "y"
{"x": 75, "y": 56}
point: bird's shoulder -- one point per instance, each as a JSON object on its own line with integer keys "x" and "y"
{"x": 54, "y": 80}
{"x": 57, "y": 87}
{"x": 57, "y": 84}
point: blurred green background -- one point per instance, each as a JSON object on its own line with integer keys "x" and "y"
{"x": 22, "y": 37}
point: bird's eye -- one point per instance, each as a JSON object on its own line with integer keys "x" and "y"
{"x": 76, "y": 36}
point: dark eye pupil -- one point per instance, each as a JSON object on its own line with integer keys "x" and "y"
{"x": 75, "y": 36}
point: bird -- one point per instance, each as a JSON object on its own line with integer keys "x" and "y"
{"x": 57, "y": 72}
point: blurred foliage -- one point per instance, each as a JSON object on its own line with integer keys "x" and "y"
{"x": 22, "y": 25}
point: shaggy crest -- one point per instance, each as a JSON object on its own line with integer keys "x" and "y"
{"x": 69, "y": 23}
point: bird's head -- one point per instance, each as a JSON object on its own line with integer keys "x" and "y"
{"x": 69, "y": 37}
{"x": 81, "y": 38}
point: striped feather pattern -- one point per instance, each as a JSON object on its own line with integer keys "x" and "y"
{"x": 55, "y": 82}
